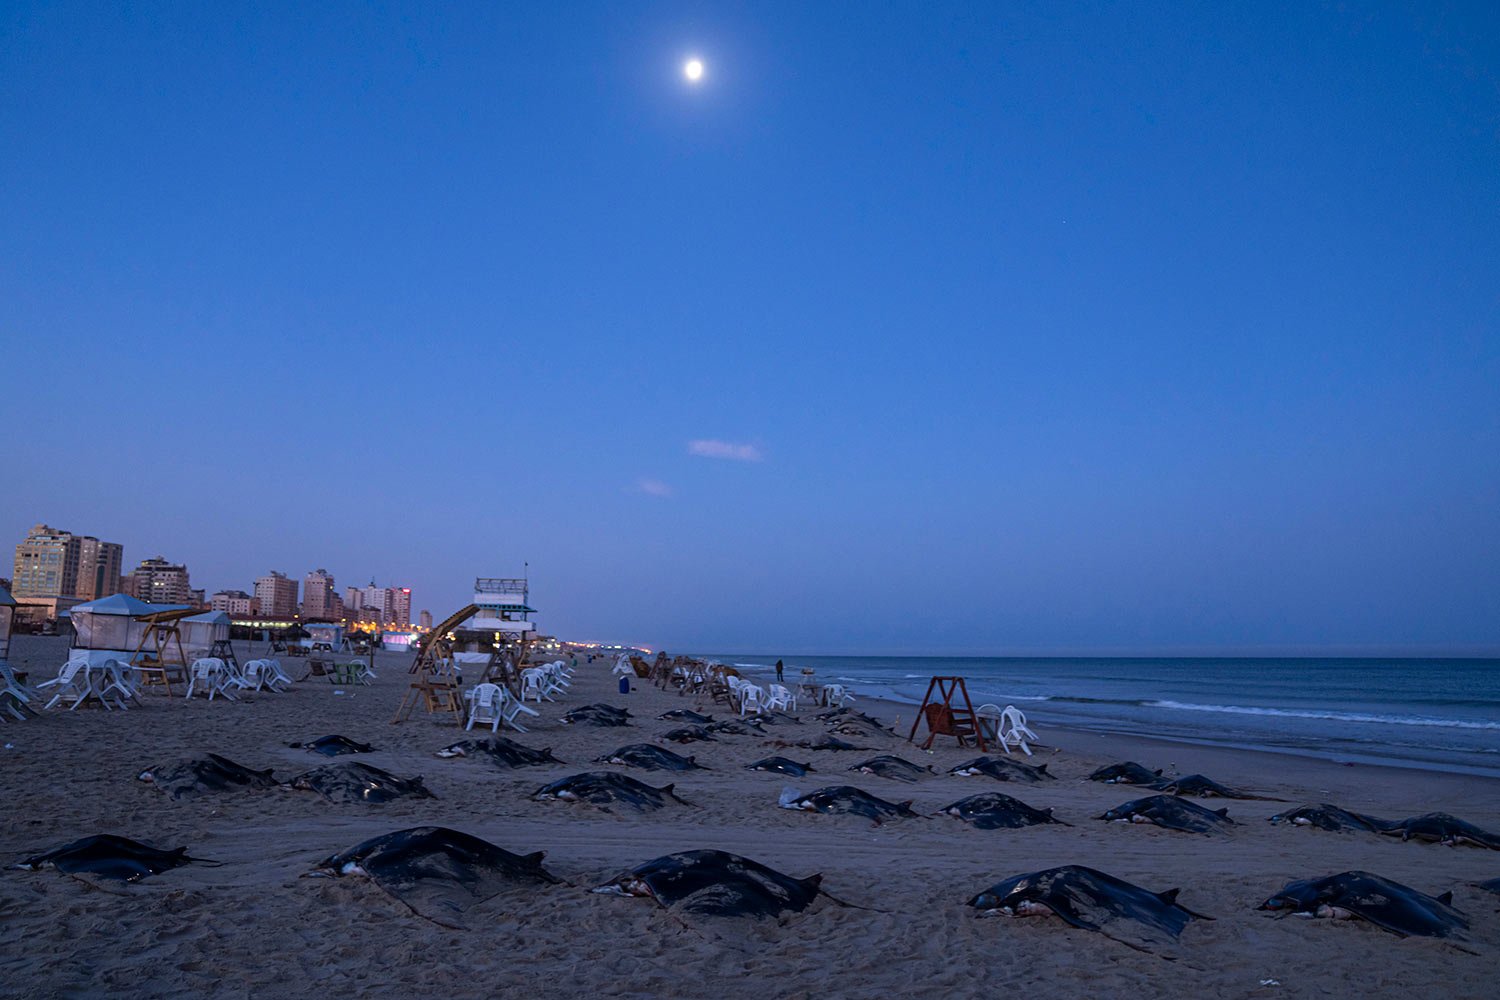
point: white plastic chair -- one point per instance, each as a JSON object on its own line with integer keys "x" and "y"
{"x": 116, "y": 682}
{"x": 15, "y": 697}
{"x": 1014, "y": 731}
{"x": 208, "y": 675}
{"x": 836, "y": 695}
{"x": 781, "y": 698}
{"x": 72, "y": 683}
{"x": 511, "y": 708}
{"x": 531, "y": 685}
{"x": 752, "y": 699}
{"x": 485, "y": 705}
{"x": 987, "y": 720}
{"x": 276, "y": 678}
{"x": 623, "y": 667}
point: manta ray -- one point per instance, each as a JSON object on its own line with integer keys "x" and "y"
{"x": 357, "y": 782}
{"x": 780, "y": 765}
{"x": 332, "y": 746}
{"x": 437, "y": 872}
{"x": 716, "y": 884}
{"x": 649, "y": 758}
{"x": 994, "y": 811}
{"x": 845, "y": 799}
{"x": 1092, "y": 900}
{"x": 893, "y": 767}
{"x": 1387, "y": 904}
{"x": 109, "y": 856}
{"x": 1171, "y": 813}
{"x": 504, "y": 752}
{"x": 603, "y": 788}
{"x": 204, "y": 775}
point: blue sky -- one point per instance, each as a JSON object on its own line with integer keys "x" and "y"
{"x": 1008, "y": 327}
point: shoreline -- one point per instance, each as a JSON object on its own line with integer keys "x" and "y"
{"x": 1105, "y": 736}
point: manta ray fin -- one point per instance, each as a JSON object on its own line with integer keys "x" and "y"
{"x": 1446, "y": 898}
{"x": 1169, "y": 897}
{"x": 1222, "y": 812}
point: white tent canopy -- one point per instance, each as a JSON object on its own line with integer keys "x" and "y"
{"x": 200, "y": 632}
{"x": 110, "y": 622}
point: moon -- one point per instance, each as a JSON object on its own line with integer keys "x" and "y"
{"x": 692, "y": 70}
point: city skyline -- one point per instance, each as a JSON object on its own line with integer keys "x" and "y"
{"x": 942, "y": 328}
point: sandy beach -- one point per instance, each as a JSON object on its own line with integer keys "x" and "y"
{"x": 255, "y": 927}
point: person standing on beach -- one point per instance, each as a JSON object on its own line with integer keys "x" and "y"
{"x": 778, "y": 672}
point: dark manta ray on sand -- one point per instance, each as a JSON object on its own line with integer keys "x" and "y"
{"x": 109, "y": 856}
{"x": 1206, "y": 788}
{"x": 357, "y": 782}
{"x": 995, "y": 811}
{"x": 604, "y": 788}
{"x": 202, "y": 775}
{"x": 1332, "y": 818}
{"x": 332, "y": 746}
{"x": 1126, "y": 773}
{"x": 893, "y": 767}
{"x": 598, "y": 714}
{"x": 504, "y": 752}
{"x": 649, "y": 758}
{"x": 1001, "y": 769}
{"x": 435, "y": 871}
{"x": 1171, "y": 813}
{"x": 827, "y": 743}
{"x": 1440, "y": 828}
{"x": 779, "y": 765}
{"x": 716, "y": 883}
{"x": 1092, "y": 900}
{"x": 689, "y": 734}
{"x": 844, "y": 799}
{"x": 685, "y": 715}
{"x": 1388, "y": 905}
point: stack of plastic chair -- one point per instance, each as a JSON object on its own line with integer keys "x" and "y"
{"x": 781, "y": 699}
{"x": 752, "y": 699}
{"x": 1013, "y": 730}
{"x": 208, "y": 676}
{"x": 485, "y": 705}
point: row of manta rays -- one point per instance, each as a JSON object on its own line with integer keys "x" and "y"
{"x": 438, "y": 872}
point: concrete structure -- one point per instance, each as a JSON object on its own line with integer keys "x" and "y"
{"x": 277, "y": 596}
{"x": 157, "y": 581}
{"x": 425, "y": 619}
{"x": 502, "y": 607}
{"x": 319, "y": 596}
{"x": 235, "y": 604}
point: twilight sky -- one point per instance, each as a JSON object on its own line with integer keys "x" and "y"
{"x": 990, "y": 328}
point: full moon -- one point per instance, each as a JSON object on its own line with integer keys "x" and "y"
{"x": 693, "y": 70}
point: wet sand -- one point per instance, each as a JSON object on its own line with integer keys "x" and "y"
{"x": 254, "y": 927}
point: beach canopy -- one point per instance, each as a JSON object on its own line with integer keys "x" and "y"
{"x": 110, "y": 622}
{"x": 200, "y": 632}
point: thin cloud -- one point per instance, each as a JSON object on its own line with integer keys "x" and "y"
{"x": 653, "y": 488}
{"x": 710, "y": 448}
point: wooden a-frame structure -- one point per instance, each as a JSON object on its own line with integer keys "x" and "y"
{"x": 434, "y": 684}
{"x": 165, "y": 660}
{"x": 945, "y": 716}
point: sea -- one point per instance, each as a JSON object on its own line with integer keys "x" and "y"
{"x": 1437, "y": 714}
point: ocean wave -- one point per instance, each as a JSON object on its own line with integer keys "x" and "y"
{"x": 1331, "y": 716}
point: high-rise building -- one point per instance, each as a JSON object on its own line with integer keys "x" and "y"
{"x": 425, "y": 619}
{"x": 277, "y": 596}
{"x": 318, "y": 595}
{"x": 353, "y": 600}
{"x": 235, "y": 604}
{"x": 157, "y": 581}
{"x": 99, "y": 565}
{"x": 375, "y": 604}
{"x": 400, "y": 606}
{"x": 46, "y": 563}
